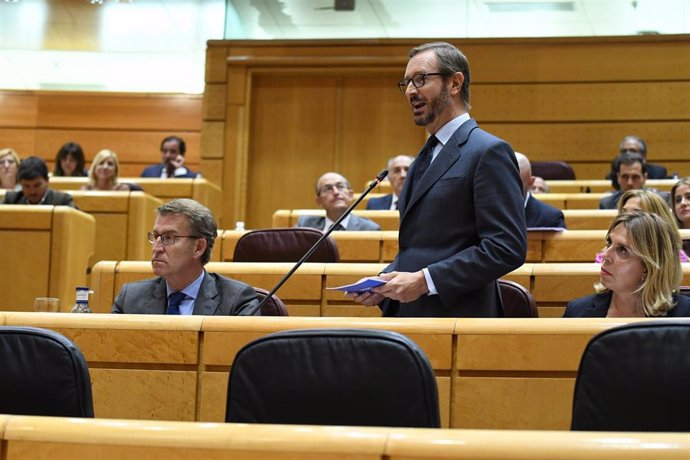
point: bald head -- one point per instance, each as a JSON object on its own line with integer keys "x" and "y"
{"x": 525, "y": 172}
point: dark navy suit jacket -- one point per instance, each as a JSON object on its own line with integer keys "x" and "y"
{"x": 540, "y": 214}
{"x": 380, "y": 202}
{"x": 464, "y": 221}
{"x": 53, "y": 197}
{"x": 157, "y": 170}
{"x": 597, "y": 305}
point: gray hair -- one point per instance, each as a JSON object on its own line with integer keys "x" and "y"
{"x": 450, "y": 60}
{"x": 200, "y": 221}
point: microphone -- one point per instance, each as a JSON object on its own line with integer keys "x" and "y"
{"x": 379, "y": 177}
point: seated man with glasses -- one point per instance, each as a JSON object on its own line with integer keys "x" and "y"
{"x": 182, "y": 240}
{"x": 334, "y": 194}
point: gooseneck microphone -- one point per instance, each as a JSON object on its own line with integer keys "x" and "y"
{"x": 379, "y": 177}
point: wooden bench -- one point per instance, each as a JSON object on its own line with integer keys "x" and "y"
{"x": 553, "y": 285}
{"x": 199, "y": 189}
{"x": 28, "y": 437}
{"x": 46, "y": 252}
{"x": 382, "y": 247}
{"x": 575, "y": 219}
{"x": 502, "y": 373}
{"x": 601, "y": 185}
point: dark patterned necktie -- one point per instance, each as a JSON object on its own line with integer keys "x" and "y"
{"x": 174, "y": 302}
{"x": 423, "y": 160}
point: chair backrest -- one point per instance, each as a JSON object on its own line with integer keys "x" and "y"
{"x": 273, "y": 306}
{"x": 284, "y": 245}
{"x": 518, "y": 302}
{"x": 42, "y": 373}
{"x": 553, "y": 170}
{"x": 333, "y": 377}
{"x": 635, "y": 378}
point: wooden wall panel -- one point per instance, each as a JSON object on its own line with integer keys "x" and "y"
{"x": 293, "y": 127}
{"x": 133, "y": 125}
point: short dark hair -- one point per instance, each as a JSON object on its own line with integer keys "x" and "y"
{"x": 75, "y": 151}
{"x": 627, "y": 158}
{"x": 180, "y": 142}
{"x": 450, "y": 60}
{"x": 31, "y": 168}
{"x": 200, "y": 219}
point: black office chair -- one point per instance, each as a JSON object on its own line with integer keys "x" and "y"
{"x": 284, "y": 245}
{"x": 552, "y": 170}
{"x": 635, "y": 378}
{"x": 273, "y": 306}
{"x": 42, "y": 373}
{"x": 518, "y": 302}
{"x": 333, "y": 377}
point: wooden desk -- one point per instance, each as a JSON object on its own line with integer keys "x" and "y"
{"x": 46, "y": 252}
{"x": 122, "y": 221}
{"x": 601, "y": 186}
{"x": 199, "y": 189}
{"x": 502, "y": 373}
{"x": 27, "y": 438}
{"x": 575, "y": 219}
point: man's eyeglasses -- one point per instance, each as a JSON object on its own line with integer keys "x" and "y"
{"x": 417, "y": 80}
{"x": 168, "y": 239}
{"x": 340, "y": 186}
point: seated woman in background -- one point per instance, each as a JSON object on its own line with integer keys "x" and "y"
{"x": 70, "y": 161}
{"x": 640, "y": 271}
{"x": 9, "y": 162}
{"x": 104, "y": 171}
{"x": 647, "y": 201}
{"x": 680, "y": 197}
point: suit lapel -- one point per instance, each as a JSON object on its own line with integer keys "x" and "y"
{"x": 207, "y": 299}
{"x": 600, "y": 305}
{"x": 158, "y": 302}
{"x": 449, "y": 154}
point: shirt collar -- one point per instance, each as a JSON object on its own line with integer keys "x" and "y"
{"x": 329, "y": 222}
{"x": 192, "y": 289}
{"x": 447, "y": 130}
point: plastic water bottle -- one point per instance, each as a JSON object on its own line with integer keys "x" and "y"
{"x": 239, "y": 226}
{"x": 82, "y": 304}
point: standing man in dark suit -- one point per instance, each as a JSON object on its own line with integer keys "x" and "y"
{"x": 334, "y": 194}
{"x": 537, "y": 213}
{"x": 173, "y": 149}
{"x": 462, "y": 221}
{"x": 397, "y": 172}
{"x": 33, "y": 178}
{"x": 182, "y": 240}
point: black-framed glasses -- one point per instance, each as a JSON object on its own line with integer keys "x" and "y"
{"x": 168, "y": 239}
{"x": 417, "y": 80}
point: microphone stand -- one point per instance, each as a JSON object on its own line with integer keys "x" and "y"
{"x": 379, "y": 177}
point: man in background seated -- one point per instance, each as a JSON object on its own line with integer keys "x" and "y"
{"x": 334, "y": 194}
{"x": 397, "y": 172}
{"x": 33, "y": 178}
{"x": 537, "y": 213}
{"x": 182, "y": 240}
{"x": 630, "y": 171}
{"x": 634, "y": 144}
{"x": 539, "y": 185}
{"x": 173, "y": 149}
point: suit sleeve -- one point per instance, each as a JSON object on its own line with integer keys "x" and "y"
{"x": 245, "y": 302}
{"x": 118, "y": 305}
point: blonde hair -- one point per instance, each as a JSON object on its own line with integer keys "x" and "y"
{"x": 649, "y": 202}
{"x": 656, "y": 241}
{"x": 11, "y": 152}
{"x": 97, "y": 160}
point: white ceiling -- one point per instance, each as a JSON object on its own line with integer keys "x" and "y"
{"x": 159, "y": 45}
